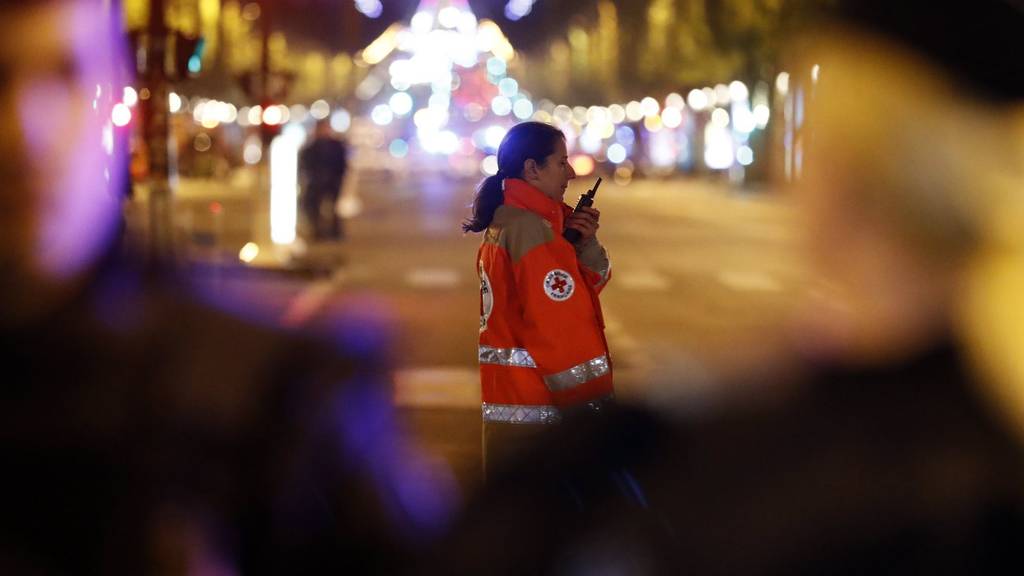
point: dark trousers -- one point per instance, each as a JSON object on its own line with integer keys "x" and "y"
{"x": 503, "y": 444}
{"x": 323, "y": 226}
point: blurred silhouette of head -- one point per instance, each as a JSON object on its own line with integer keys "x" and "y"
{"x": 323, "y": 129}
{"x": 58, "y": 165}
{"x": 911, "y": 139}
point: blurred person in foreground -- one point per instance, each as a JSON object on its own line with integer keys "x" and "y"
{"x": 542, "y": 346}
{"x": 143, "y": 428}
{"x": 323, "y": 163}
{"x": 895, "y": 440}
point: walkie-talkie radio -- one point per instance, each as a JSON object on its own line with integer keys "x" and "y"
{"x": 571, "y": 234}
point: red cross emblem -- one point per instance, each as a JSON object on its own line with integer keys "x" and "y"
{"x": 558, "y": 285}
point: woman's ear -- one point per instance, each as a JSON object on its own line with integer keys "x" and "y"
{"x": 530, "y": 169}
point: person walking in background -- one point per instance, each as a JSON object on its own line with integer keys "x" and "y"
{"x": 323, "y": 163}
{"x": 542, "y": 345}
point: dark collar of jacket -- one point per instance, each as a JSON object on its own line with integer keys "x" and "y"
{"x": 521, "y": 194}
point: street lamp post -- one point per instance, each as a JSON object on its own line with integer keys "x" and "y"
{"x": 157, "y": 131}
{"x": 269, "y": 88}
{"x": 258, "y": 88}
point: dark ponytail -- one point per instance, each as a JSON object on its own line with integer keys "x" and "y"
{"x": 526, "y": 141}
{"x": 489, "y": 195}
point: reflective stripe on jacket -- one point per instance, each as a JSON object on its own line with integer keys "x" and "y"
{"x": 542, "y": 344}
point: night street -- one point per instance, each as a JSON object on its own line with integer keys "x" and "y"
{"x": 703, "y": 275}
{"x": 323, "y": 286}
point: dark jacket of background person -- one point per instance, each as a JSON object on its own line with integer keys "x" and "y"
{"x": 145, "y": 430}
{"x": 323, "y": 164}
{"x": 894, "y": 469}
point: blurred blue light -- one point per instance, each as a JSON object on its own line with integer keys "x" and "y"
{"x": 516, "y": 9}
{"x": 624, "y": 135}
{"x": 370, "y": 8}
{"x": 496, "y": 66}
{"x": 508, "y": 87}
{"x": 399, "y": 148}
{"x": 745, "y": 155}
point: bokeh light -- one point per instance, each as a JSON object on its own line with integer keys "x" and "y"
{"x": 398, "y": 148}
{"x": 489, "y": 165}
{"x": 382, "y": 115}
{"x": 320, "y": 109}
{"x": 522, "y": 109}
{"x": 745, "y": 155}
{"x": 582, "y": 164}
{"x": 501, "y": 106}
{"x": 121, "y": 115}
{"x": 401, "y": 103}
{"x": 616, "y": 153}
{"x": 697, "y": 100}
{"x": 341, "y": 120}
{"x": 249, "y": 252}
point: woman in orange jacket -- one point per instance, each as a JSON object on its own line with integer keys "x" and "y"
{"x": 542, "y": 347}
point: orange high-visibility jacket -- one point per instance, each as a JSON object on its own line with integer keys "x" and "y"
{"x": 542, "y": 343}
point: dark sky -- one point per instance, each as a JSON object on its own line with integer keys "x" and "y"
{"x": 335, "y": 24}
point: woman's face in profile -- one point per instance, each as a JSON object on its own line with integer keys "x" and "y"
{"x": 553, "y": 176}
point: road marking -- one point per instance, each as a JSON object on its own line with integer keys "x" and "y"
{"x": 436, "y": 224}
{"x": 623, "y": 343}
{"x": 311, "y": 299}
{"x": 432, "y": 278}
{"x": 438, "y": 387}
{"x": 771, "y": 232}
{"x": 619, "y": 340}
{"x": 307, "y": 303}
{"x": 747, "y": 281}
{"x": 641, "y": 280}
